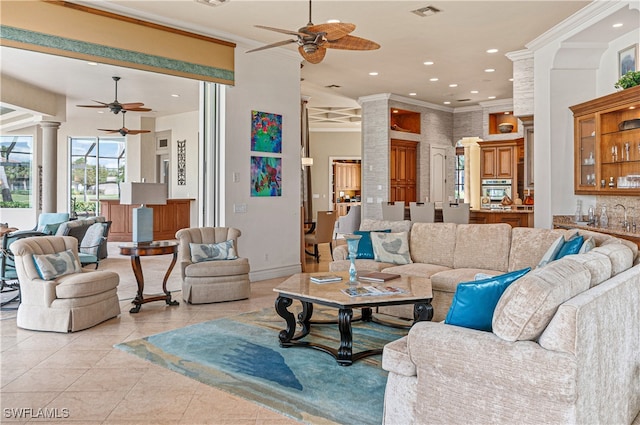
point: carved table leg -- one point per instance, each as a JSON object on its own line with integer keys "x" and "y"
{"x": 286, "y": 335}
{"x": 422, "y": 312}
{"x": 137, "y": 271}
{"x": 166, "y": 277}
{"x": 304, "y": 318}
{"x": 344, "y": 355}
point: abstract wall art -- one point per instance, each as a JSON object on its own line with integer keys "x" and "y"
{"x": 266, "y": 132}
{"x": 266, "y": 176}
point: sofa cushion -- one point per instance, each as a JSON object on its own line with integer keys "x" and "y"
{"x": 50, "y": 266}
{"x": 527, "y": 306}
{"x": 395, "y": 226}
{"x": 482, "y": 246}
{"x": 416, "y": 269}
{"x": 599, "y": 266}
{"x": 529, "y": 244}
{"x": 474, "y": 302}
{"x": 552, "y": 252}
{"x": 365, "y": 248}
{"x": 391, "y": 247}
{"x": 433, "y": 243}
{"x": 620, "y": 255}
{"x": 448, "y": 280}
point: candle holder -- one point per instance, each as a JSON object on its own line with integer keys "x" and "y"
{"x": 352, "y": 246}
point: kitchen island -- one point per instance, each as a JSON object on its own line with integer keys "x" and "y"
{"x": 515, "y": 216}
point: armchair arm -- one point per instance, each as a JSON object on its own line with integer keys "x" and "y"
{"x": 340, "y": 252}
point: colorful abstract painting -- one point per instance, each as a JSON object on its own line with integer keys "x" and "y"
{"x": 266, "y": 176}
{"x": 266, "y": 132}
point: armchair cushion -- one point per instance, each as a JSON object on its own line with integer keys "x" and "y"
{"x": 212, "y": 251}
{"x": 92, "y": 239}
{"x": 474, "y": 302}
{"x": 50, "y": 266}
{"x": 51, "y": 228}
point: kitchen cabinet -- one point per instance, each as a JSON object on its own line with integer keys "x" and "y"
{"x": 403, "y": 160}
{"x": 497, "y": 162}
{"x": 167, "y": 219}
{"x": 347, "y": 176}
{"x": 606, "y": 147}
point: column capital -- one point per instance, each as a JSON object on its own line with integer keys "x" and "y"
{"x": 49, "y": 124}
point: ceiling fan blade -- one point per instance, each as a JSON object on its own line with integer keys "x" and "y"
{"x": 333, "y": 31}
{"x": 131, "y": 105}
{"x": 101, "y": 105}
{"x": 137, "y": 109}
{"x": 289, "y": 32}
{"x": 269, "y": 46}
{"x": 315, "y": 57}
{"x": 137, "y": 131}
{"x": 350, "y": 42}
{"x": 108, "y": 130}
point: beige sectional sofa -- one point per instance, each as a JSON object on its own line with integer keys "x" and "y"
{"x": 565, "y": 345}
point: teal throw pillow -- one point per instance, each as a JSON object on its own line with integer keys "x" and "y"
{"x": 51, "y": 228}
{"x": 212, "y": 251}
{"x": 365, "y": 247}
{"x": 474, "y": 302}
{"x": 572, "y": 246}
{"x": 50, "y": 266}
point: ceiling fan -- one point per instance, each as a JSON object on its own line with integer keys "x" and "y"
{"x": 313, "y": 40}
{"x": 124, "y": 130}
{"x": 116, "y": 106}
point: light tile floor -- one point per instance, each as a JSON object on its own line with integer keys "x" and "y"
{"x": 81, "y": 375}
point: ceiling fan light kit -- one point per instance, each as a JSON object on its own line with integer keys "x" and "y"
{"x": 116, "y": 106}
{"x": 313, "y": 40}
{"x": 124, "y": 130}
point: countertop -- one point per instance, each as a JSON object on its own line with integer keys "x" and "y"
{"x": 566, "y": 222}
{"x": 503, "y": 211}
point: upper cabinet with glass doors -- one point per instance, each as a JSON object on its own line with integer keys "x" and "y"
{"x": 607, "y": 144}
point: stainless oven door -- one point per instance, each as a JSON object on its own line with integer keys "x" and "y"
{"x": 496, "y": 193}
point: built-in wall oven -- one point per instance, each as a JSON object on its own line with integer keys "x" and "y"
{"x": 494, "y": 190}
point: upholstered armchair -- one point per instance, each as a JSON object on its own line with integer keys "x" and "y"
{"x": 210, "y": 267}
{"x": 348, "y": 223}
{"x": 57, "y": 295}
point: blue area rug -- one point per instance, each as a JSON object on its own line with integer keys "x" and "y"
{"x": 241, "y": 355}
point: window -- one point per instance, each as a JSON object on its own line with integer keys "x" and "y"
{"x": 97, "y": 168}
{"x": 16, "y": 171}
{"x": 459, "y": 168}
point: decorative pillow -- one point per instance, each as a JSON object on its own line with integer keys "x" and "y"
{"x": 587, "y": 245}
{"x": 51, "y": 228}
{"x": 474, "y": 302}
{"x": 552, "y": 252}
{"x": 50, "y": 266}
{"x": 391, "y": 247}
{"x": 572, "y": 246}
{"x": 92, "y": 239}
{"x": 365, "y": 248}
{"x": 212, "y": 251}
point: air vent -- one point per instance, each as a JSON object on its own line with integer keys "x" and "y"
{"x": 333, "y": 86}
{"x": 426, "y": 11}
{"x": 464, "y": 100}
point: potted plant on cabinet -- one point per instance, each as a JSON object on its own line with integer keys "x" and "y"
{"x": 630, "y": 79}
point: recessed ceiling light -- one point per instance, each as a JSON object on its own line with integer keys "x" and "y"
{"x": 453, "y": 85}
{"x": 474, "y": 92}
{"x": 175, "y": 95}
{"x": 395, "y": 111}
{"x": 507, "y": 113}
{"x": 333, "y": 21}
{"x": 433, "y": 79}
{"x": 491, "y": 97}
{"x": 492, "y": 51}
{"x": 92, "y": 63}
{"x": 618, "y": 25}
{"x": 213, "y": 2}
{"x": 632, "y": 107}
{"x": 428, "y": 63}
{"x": 489, "y": 70}
{"x": 413, "y": 94}
{"x": 511, "y": 79}
{"x": 101, "y": 112}
{"x": 373, "y": 73}
{"x": 447, "y": 102}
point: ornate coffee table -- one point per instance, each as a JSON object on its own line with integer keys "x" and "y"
{"x": 299, "y": 287}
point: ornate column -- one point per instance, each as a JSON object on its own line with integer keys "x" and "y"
{"x": 48, "y": 189}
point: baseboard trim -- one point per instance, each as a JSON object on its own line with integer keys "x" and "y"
{"x": 275, "y": 272}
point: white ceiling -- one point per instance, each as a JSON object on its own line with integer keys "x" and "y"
{"x": 456, "y": 40}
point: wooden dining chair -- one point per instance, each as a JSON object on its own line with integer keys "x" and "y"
{"x": 323, "y": 233}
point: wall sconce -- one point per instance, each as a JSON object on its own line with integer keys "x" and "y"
{"x": 307, "y": 161}
{"x": 132, "y": 193}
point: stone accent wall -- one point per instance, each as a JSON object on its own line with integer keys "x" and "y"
{"x": 616, "y": 215}
{"x": 523, "y": 85}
